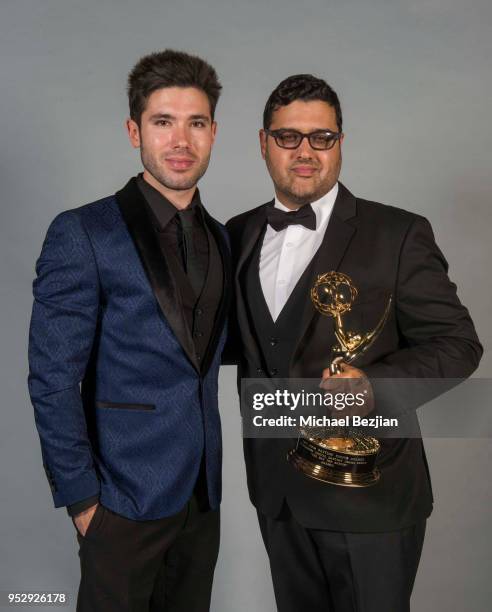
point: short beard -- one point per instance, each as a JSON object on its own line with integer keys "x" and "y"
{"x": 183, "y": 184}
{"x": 298, "y": 200}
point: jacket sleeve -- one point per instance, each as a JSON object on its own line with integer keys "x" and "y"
{"x": 438, "y": 338}
{"x": 63, "y": 324}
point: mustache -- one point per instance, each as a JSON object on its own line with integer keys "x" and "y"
{"x": 305, "y": 163}
{"x": 184, "y": 153}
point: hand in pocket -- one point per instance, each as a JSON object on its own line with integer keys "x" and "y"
{"x": 83, "y": 520}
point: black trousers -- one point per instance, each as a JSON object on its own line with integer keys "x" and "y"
{"x": 164, "y": 565}
{"x": 333, "y": 571}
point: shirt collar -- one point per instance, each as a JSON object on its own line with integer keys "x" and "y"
{"x": 163, "y": 210}
{"x": 322, "y": 207}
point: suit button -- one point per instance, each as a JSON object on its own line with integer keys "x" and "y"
{"x": 273, "y": 341}
{"x": 259, "y": 371}
{"x": 198, "y": 357}
{"x": 199, "y": 334}
{"x": 273, "y": 372}
{"x": 199, "y": 312}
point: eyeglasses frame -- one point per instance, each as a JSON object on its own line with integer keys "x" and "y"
{"x": 276, "y": 133}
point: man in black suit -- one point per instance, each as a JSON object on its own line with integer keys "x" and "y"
{"x": 333, "y": 547}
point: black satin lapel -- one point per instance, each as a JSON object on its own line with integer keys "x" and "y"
{"x": 251, "y": 235}
{"x": 252, "y": 231}
{"x": 132, "y": 206}
{"x": 225, "y": 301}
{"x": 335, "y": 242}
{"x": 338, "y": 235}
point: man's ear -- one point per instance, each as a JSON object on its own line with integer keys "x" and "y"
{"x": 263, "y": 142}
{"x": 214, "y": 131}
{"x": 133, "y": 132}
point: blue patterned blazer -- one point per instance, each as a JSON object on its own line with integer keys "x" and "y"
{"x": 122, "y": 407}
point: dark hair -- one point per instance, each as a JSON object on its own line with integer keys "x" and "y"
{"x": 170, "y": 68}
{"x": 304, "y": 87}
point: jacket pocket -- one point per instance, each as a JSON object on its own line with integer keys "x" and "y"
{"x": 125, "y": 406}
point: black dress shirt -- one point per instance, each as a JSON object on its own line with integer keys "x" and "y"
{"x": 200, "y": 306}
{"x": 174, "y": 226}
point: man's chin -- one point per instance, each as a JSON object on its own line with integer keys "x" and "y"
{"x": 301, "y": 199}
{"x": 186, "y": 180}
{"x": 303, "y": 195}
{"x": 182, "y": 186}
{"x": 178, "y": 183}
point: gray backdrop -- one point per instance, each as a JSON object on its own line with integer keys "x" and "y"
{"x": 414, "y": 81}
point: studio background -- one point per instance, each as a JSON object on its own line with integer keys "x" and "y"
{"x": 415, "y": 87}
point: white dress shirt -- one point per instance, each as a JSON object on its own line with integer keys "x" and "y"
{"x": 286, "y": 254}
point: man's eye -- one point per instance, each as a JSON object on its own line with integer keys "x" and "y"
{"x": 289, "y": 137}
{"x": 321, "y": 140}
{"x": 162, "y": 122}
{"x": 199, "y": 124}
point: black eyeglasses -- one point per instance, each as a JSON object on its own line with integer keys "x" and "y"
{"x": 320, "y": 140}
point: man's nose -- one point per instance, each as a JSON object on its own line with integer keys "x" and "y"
{"x": 180, "y": 136}
{"x": 304, "y": 150}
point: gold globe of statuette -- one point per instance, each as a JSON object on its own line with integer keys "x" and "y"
{"x": 333, "y": 293}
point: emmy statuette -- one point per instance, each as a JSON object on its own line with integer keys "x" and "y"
{"x": 332, "y": 455}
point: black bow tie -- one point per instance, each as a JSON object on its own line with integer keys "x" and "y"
{"x": 279, "y": 219}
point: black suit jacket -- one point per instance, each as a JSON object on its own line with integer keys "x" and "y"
{"x": 428, "y": 334}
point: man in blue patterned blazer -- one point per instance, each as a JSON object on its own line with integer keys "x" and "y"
{"x": 126, "y": 336}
